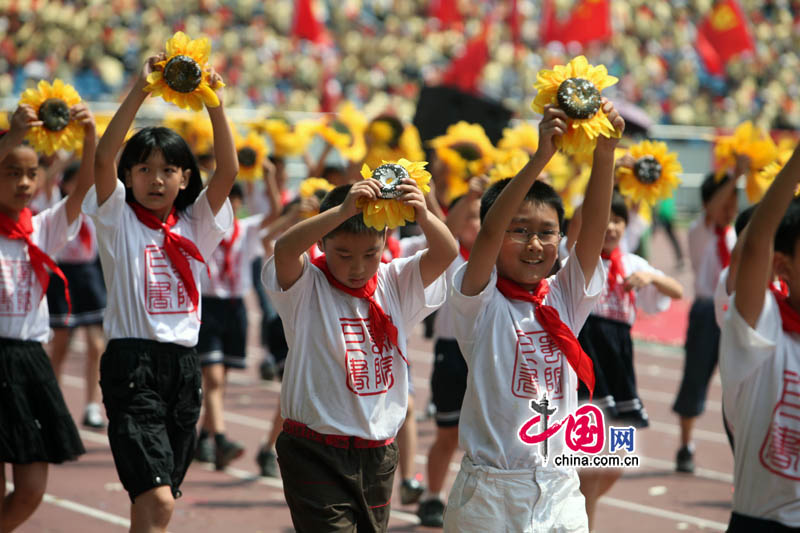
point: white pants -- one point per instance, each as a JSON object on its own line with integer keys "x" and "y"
{"x": 543, "y": 500}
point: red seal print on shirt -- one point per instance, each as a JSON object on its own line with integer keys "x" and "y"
{"x": 164, "y": 291}
{"x": 16, "y": 287}
{"x": 780, "y": 451}
{"x": 537, "y": 366}
{"x": 368, "y": 371}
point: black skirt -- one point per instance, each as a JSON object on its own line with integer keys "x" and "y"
{"x": 609, "y": 344}
{"x": 87, "y": 291}
{"x": 35, "y": 424}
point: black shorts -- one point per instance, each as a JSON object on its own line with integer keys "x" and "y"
{"x": 87, "y": 291}
{"x": 746, "y": 524}
{"x": 276, "y": 343}
{"x": 223, "y": 332}
{"x": 702, "y": 354}
{"x": 448, "y": 382}
{"x": 152, "y": 393}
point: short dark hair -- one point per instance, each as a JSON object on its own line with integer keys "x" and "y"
{"x": 789, "y": 229}
{"x": 354, "y": 224}
{"x": 68, "y": 175}
{"x": 743, "y": 218}
{"x": 618, "y": 206}
{"x": 236, "y": 191}
{"x": 540, "y": 193}
{"x": 329, "y": 170}
{"x": 175, "y": 151}
{"x": 711, "y": 184}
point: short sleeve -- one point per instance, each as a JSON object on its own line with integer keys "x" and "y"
{"x": 469, "y": 310}
{"x": 411, "y": 245}
{"x": 742, "y": 348}
{"x": 54, "y": 231}
{"x": 288, "y": 302}
{"x": 252, "y": 241}
{"x": 570, "y": 295}
{"x": 106, "y": 217}
{"x": 209, "y": 229}
{"x": 416, "y": 301}
{"x": 649, "y": 299}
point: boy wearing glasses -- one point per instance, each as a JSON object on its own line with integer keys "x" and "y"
{"x": 515, "y": 324}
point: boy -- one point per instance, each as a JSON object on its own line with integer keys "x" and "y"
{"x": 760, "y": 364}
{"x": 521, "y": 347}
{"x": 711, "y": 239}
{"x": 345, "y": 387}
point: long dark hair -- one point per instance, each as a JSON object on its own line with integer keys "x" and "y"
{"x": 175, "y": 151}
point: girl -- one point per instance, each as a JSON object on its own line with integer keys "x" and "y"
{"x": 606, "y": 338}
{"x": 155, "y": 225}
{"x": 35, "y": 425}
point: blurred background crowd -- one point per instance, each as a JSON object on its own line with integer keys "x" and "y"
{"x": 380, "y": 53}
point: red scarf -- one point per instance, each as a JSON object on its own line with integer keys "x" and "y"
{"x": 227, "y": 246}
{"x": 22, "y": 229}
{"x": 789, "y": 317}
{"x": 615, "y": 270}
{"x": 463, "y": 251}
{"x": 85, "y": 235}
{"x": 393, "y": 245}
{"x": 722, "y": 246}
{"x": 548, "y": 317}
{"x": 175, "y": 246}
{"x": 382, "y": 326}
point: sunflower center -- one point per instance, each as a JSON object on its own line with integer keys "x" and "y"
{"x": 54, "y": 112}
{"x": 467, "y": 150}
{"x": 390, "y": 175}
{"x": 247, "y": 156}
{"x": 578, "y": 97}
{"x": 647, "y": 169}
{"x": 183, "y": 74}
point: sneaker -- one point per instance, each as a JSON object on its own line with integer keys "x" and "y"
{"x": 410, "y": 491}
{"x": 226, "y": 451}
{"x": 267, "y": 462}
{"x": 684, "y": 462}
{"x": 267, "y": 369}
{"x": 92, "y": 417}
{"x": 204, "y": 451}
{"x": 431, "y": 513}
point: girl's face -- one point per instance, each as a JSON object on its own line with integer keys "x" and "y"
{"x": 18, "y": 174}
{"x": 615, "y": 231}
{"x": 156, "y": 183}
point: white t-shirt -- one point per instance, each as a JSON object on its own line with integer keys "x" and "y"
{"x": 75, "y": 251}
{"x": 23, "y": 308}
{"x": 334, "y": 381}
{"x": 146, "y": 297}
{"x": 512, "y": 360}
{"x": 245, "y": 248}
{"x": 634, "y": 230}
{"x": 617, "y": 305}
{"x": 704, "y": 256}
{"x": 721, "y": 297}
{"x": 760, "y": 371}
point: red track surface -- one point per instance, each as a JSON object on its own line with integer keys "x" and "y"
{"x": 86, "y": 495}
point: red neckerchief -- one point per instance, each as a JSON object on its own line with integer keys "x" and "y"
{"x": 175, "y": 246}
{"x": 382, "y": 326}
{"x": 790, "y": 318}
{"x": 784, "y": 288}
{"x": 722, "y": 246}
{"x": 548, "y": 317}
{"x": 616, "y": 270}
{"x": 21, "y": 230}
{"x": 227, "y": 246}
{"x": 463, "y": 252}
{"x": 393, "y": 245}
{"x": 85, "y": 234}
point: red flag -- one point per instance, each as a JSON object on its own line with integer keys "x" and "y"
{"x": 465, "y": 70}
{"x": 589, "y": 20}
{"x": 306, "y": 25}
{"x": 722, "y": 35}
{"x": 446, "y": 11}
{"x": 514, "y": 24}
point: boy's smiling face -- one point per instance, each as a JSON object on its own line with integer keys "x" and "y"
{"x": 529, "y": 263}
{"x": 353, "y": 258}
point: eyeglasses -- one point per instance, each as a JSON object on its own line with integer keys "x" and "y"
{"x": 523, "y": 236}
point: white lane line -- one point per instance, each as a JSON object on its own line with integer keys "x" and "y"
{"x": 662, "y": 513}
{"x": 669, "y": 398}
{"x": 82, "y": 509}
{"x": 705, "y": 473}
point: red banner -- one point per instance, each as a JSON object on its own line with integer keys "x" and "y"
{"x": 446, "y": 11}
{"x": 722, "y": 35}
{"x": 587, "y": 21}
{"x": 466, "y": 69}
{"x": 305, "y": 24}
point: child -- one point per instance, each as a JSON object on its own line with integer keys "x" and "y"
{"x": 345, "y": 387}
{"x": 760, "y": 364}
{"x": 710, "y": 241}
{"x": 155, "y": 225}
{"x": 35, "y": 425}
{"x": 606, "y": 337}
{"x": 223, "y": 332}
{"x": 503, "y": 484}
{"x": 81, "y": 266}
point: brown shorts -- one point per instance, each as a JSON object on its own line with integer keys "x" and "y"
{"x": 329, "y": 487}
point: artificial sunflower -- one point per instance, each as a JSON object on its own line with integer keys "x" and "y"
{"x": 4, "y": 124}
{"x": 524, "y": 135}
{"x": 251, "y": 151}
{"x": 467, "y": 152}
{"x": 654, "y": 175}
{"x": 287, "y": 139}
{"x": 313, "y": 186}
{"x": 183, "y": 78}
{"x": 345, "y": 132}
{"x": 576, "y": 88}
{"x": 389, "y": 212}
{"x": 767, "y": 175}
{"x": 756, "y": 144}
{"x": 388, "y": 139}
{"x": 52, "y": 104}
{"x": 508, "y": 165}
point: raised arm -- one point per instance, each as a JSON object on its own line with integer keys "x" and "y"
{"x": 219, "y": 186}
{"x": 458, "y": 215}
{"x": 85, "y": 176}
{"x": 23, "y": 119}
{"x": 490, "y": 238}
{"x": 597, "y": 201}
{"x": 755, "y": 264}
